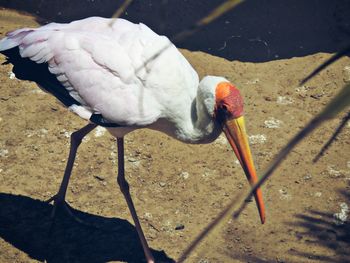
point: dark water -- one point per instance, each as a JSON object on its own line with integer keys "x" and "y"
{"x": 255, "y": 31}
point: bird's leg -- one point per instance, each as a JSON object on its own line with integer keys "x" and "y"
{"x": 124, "y": 187}
{"x": 75, "y": 140}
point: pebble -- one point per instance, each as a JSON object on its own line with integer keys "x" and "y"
{"x": 346, "y": 73}
{"x": 272, "y": 123}
{"x": 258, "y": 138}
{"x": 65, "y": 133}
{"x": 37, "y": 91}
{"x": 148, "y": 215}
{"x": 341, "y": 217}
{"x": 11, "y": 75}
{"x": 301, "y": 91}
{"x": 253, "y": 81}
{"x": 307, "y": 177}
{"x": 162, "y": 184}
{"x": 4, "y": 152}
{"x": 43, "y": 131}
{"x": 333, "y": 172}
{"x": 184, "y": 175}
{"x": 221, "y": 140}
{"x": 317, "y": 96}
{"x": 5, "y": 98}
{"x": 100, "y": 178}
{"x": 206, "y": 174}
{"x": 318, "y": 194}
{"x": 86, "y": 138}
{"x": 99, "y": 131}
{"x": 147, "y": 156}
{"x": 179, "y": 226}
{"x": 284, "y": 100}
{"x": 284, "y": 194}
{"x": 268, "y": 98}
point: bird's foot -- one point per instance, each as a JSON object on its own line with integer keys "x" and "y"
{"x": 60, "y": 202}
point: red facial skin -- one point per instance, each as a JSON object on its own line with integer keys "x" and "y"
{"x": 228, "y": 96}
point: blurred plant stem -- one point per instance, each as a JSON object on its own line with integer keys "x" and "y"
{"x": 120, "y": 11}
{"x": 335, "y": 106}
{"x": 339, "y": 103}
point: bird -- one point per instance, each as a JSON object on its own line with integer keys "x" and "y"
{"x": 123, "y": 76}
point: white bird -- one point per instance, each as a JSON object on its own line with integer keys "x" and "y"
{"x": 124, "y": 76}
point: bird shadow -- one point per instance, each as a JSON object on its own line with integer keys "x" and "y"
{"x": 322, "y": 231}
{"x": 25, "y": 223}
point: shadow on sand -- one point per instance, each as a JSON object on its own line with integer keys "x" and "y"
{"x": 25, "y": 223}
{"x": 320, "y": 230}
{"x": 255, "y": 31}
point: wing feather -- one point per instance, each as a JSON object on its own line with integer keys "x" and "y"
{"x": 107, "y": 68}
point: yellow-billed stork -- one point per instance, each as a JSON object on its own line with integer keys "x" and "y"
{"x": 124, "y": 76}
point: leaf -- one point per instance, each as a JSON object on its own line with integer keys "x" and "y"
{"x": 120, "y": 10}
{"x": 213, "y": 15}
{"x": 328, "y": 62}
{"x": 333, "y": 137}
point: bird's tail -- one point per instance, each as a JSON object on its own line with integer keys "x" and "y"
{"x": 32, "y": 43}
{"x": 14, "y": 38}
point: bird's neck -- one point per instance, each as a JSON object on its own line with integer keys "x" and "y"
{"x": 197, "y": 126}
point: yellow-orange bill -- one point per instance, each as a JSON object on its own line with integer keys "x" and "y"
{"x": 235, "y": 132}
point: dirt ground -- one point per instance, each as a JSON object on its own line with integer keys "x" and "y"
{"x": 175, "y": 185}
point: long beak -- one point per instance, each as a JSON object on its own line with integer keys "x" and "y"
{"x": 235, "y": 132}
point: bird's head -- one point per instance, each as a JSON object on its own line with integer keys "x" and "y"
{"x": 225, "y": 104}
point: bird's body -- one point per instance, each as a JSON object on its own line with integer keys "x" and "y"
{"x": 108, "y": 69}
{"x": 130, "y": 78}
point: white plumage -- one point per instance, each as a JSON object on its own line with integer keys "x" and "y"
{"x": 107, "y": 67}
{"x": 133, "y": 78}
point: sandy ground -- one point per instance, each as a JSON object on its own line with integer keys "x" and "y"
{"x": 174, "y": 184}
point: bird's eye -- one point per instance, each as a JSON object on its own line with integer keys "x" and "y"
{"x": 222, "y": 113}
{"x": 225, "y": 111}
{"x": 224, "y": 108}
